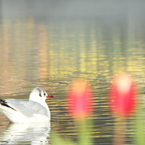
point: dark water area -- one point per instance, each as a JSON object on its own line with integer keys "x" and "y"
{"x": 49, "y": 48}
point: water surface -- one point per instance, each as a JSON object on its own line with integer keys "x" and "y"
{"x": 50, "y": 54}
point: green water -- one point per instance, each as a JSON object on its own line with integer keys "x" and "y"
{"x": 51, "y": 53}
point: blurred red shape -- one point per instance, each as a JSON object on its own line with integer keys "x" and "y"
{"x": 122, "y": 95}
{"x": 80, "y": 99}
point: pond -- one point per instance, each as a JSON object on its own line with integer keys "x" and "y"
{"x": 50, "y": 54}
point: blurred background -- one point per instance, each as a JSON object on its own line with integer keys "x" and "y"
{"x": 47, "y": 43}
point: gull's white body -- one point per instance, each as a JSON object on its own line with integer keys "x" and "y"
{"x": 33, "y": 110}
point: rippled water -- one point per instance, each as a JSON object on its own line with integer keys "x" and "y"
{"x": 50, "y": 54}
{"x": 34, "y": 133}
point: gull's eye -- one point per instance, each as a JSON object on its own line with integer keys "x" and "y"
{"x": 44, "y": 94}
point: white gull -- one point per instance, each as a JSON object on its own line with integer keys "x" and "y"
{"x": 33, "y": 110}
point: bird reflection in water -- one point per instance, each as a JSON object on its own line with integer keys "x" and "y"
{"x": 26, "y": 133}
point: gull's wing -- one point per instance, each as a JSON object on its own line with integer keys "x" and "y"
{"x": 27, "y": 108}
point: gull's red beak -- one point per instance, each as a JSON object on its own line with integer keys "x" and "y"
{"x": 49, "y": 96}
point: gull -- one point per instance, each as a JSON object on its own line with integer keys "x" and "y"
{"x": 33, "y": 110}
